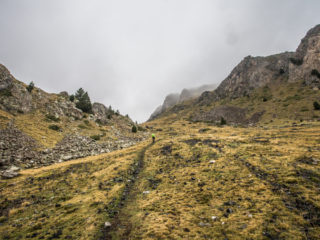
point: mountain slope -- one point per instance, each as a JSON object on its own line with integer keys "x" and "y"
{"x": 198, "y": 181}
{"x": 263, "y": 88}
{"x": 175, "y": 98}
{"x": 257, "y": 178}
{"x": 51, "y": 129}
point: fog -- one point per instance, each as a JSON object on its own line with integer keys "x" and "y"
{"x": 131, "y": 53}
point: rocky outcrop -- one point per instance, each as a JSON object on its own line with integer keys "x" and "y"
{"x": 305, "y": 64}
{"x": 13, "y": 95}
{"x": 175, "y": 98}
{"x": 249, "y": 74}
{"x": 15, "y": 98}
{"x": 6, "y": 79}
{"x": 170, "y": 100}
{"x": 101, "y": 112}
{"x": 255, "y": 72}
{"x": 20, "y": 150}
{"x": 231, "y": 114}
{"x": 187, "y": 94}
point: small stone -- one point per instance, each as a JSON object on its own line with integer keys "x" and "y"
{"x": 212, "y": 161}
{"x": 250, "y": 215}
{"x": 214, "y": 218}
{"x": 146, "y": 192}
{"x": 107, "y": 224}
{"x": 244, "y": 226}
{"x": 202, "y": 224}
{"x": 13, "y": 169}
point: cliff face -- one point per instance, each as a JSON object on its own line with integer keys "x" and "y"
{"x": 255, "y": 72}
{"x": 175, "y": 98}
{"x": 305, "y": 63}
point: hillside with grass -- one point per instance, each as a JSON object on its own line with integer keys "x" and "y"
{"x": 240, "y": 162}
{"x": 198, "y": 181}
{"x": 262, "y": 89}
{"x": 38, "y": 128}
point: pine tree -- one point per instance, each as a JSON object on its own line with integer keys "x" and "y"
{"x": 30, "y": 87}
{"x": 83, "y": 102}
{"x": 80, "y": 92}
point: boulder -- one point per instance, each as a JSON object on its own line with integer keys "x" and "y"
{"x": 11, "y": 172}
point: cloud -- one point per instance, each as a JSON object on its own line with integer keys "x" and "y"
{"x": 131, "y": 54}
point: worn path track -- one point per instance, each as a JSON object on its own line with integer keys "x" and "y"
{"x": 120, "y": 225}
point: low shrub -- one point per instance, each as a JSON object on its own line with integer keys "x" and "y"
{"x": 71, "y": 98}
{"x": 81, "y": 126}
{"x": 134, "y": 129}
{"x": 316, "y": 105}
{"x": 315, "y": 72}
{"x": 223, "y": 121}
{"x": 5, "y": 93}
{"x": 95, "y": 137}
{"x": 54, "y": 127}
{"x": 296, "y": 61}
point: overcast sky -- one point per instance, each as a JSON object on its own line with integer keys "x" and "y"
{"x": 131, "y": 53}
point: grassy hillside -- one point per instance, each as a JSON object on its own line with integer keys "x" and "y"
{"x": 280, "y": 101}
{"x": 38, "y": 125}
{"x": 198, "y": 181}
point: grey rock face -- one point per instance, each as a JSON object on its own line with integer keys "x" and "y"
{"x": 249, "y": 74}
{"x": 100, "y": 112}
{"x": 306, "y": 59}
{"x": 233, "y": 115}
{"x": 187, "y": 94}
{"x": 99, "y": 109}
{"x": 174, "y": 98}
{"x": 5, "y": 78}
{"x": 64, "y": 94}
{"x": 170, "y": 100}
{"x": 13, "y": 95}
{"x": 255, "y": 72}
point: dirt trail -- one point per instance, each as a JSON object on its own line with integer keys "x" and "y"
{"x": 120, "y": 224}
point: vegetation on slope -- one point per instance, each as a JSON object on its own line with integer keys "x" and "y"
{"x": 277, "y": 101}
{"x": 71, "y": 200}
{"x": 198, "y": 181}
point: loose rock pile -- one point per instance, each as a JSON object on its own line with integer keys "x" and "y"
{"x": 77, "y": 146}
{"x": 18, "y": 149}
